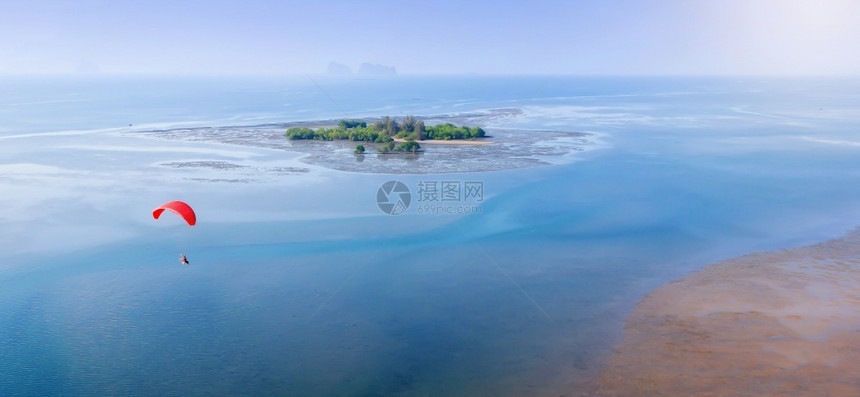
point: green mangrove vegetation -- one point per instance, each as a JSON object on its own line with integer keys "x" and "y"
{"x": 386, "y": 130}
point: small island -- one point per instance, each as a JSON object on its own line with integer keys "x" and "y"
{"x": 387, "y": 131}
{"x": 508, "y": 148}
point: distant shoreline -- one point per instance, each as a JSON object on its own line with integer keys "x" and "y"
{"x": 775, "y": 323}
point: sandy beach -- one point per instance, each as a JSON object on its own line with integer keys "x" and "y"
{"x": 483, "y": 141}
{"x": 783, "y": 323}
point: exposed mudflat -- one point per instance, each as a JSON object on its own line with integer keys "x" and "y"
{"x": 783, "y": 323}
{"x": 505, "y": 148}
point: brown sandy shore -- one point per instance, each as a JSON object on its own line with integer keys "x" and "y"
{"x": 479, "y": 141}
{"x": 783, "y": 323}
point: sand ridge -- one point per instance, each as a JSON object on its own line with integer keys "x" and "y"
{"x": 781, "y": 323}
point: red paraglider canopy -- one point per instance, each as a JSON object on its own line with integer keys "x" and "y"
{"x": 178, "y": 208}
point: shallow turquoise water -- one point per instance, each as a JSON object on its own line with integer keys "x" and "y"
{"x": 300, "y": 285}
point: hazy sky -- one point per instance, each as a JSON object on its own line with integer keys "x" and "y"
{"x": 442, "y": 36}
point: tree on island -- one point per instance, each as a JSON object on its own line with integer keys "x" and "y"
{"x": 420, "y": 130}
{"x": 408, "y": 146}
{"x": 347, "y": 124}
{"x": 408, "y": 124}
{"x": 391, "y": 126}
{"x": 359, "y": 149}
{"x": 450, "y": 131}
{"x": 387, "y": 147}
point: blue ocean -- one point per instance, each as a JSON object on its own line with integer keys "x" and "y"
{"x": 301, "y": 283}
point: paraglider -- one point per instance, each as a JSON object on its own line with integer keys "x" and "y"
{"x": 184, "y": 211}
{"x": 178, "y": 208}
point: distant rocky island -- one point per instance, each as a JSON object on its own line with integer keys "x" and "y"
{"x": 408, "y": 132}
{"x": 365, "y": 69}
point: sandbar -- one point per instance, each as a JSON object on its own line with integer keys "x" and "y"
{"x": 783, "y": 323}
